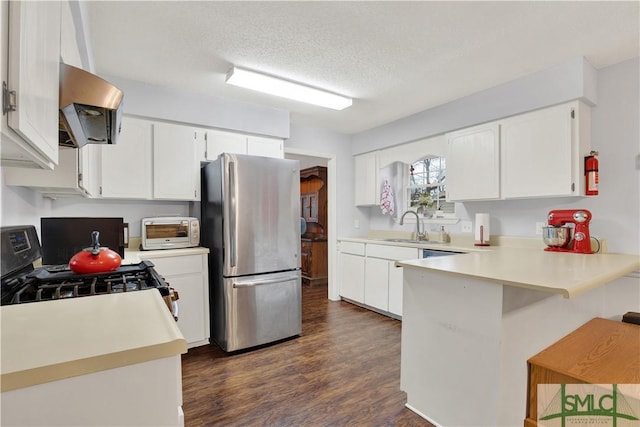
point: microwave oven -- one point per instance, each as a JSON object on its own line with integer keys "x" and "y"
{"x": 170, "y": 233}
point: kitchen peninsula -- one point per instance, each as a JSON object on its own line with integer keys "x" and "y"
{"x": 472, "y": 320}
{"x": 106, "y": 360}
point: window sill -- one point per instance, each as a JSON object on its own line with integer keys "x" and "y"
{"x": 412, "y": 220}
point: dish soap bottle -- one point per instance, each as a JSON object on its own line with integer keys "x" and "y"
{"x": 443, "y": 235}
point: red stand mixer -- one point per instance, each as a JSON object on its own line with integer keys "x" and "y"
{"x": 558, "y": 236}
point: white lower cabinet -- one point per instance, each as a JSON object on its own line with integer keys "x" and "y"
{"x": 148, "y": 393}
{"x": 383, "y": 285}
{"x": 376, "y": 283}
{"x": 395, "y": 288}
{"x": 189, "y": 276}
{"x": 383, "y": 280}
{"x": 351, "y": 276}
{"x": 351, "y": 271}
{"x": 367, "y": 274}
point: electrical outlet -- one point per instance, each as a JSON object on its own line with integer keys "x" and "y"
{"x": 539, "y": 226}
{"x": 466, "y": 226}
{"x": 356, "y": 223}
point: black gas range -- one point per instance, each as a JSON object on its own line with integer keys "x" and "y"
{"x": 22, "y": 283}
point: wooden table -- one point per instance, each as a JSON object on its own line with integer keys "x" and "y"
{"x": 599, "y": 352}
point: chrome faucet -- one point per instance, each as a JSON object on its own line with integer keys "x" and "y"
{"x": 419, "y": 235}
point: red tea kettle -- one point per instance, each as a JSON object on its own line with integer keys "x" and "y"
{"x": 95, "y": 259}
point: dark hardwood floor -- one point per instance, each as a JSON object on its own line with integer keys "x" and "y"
{"x": 344, "y": 370}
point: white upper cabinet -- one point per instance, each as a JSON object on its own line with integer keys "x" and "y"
{"x": 367, "y": 187}
{"x": 217, "y": 142}
{"x": 543, "y": 152}
{"x": 264, "y": 146}
{"x": 125, "y": 168}
{"x": 72, "y": 176}
{"x": 536, "y": 154}
{"x": 473, "y": 163}
{"x": 176, "y": 172}
{"x": 31, "y": 43}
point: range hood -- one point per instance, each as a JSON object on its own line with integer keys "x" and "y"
{"x": 90, "y": 108}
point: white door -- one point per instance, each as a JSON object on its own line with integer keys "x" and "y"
{"x": 473, "y": 163}
{"x": 536, "y": 154}
{"x": 376, "y": 283}
{"x": 367, "y": 187}
{"x": 176, "y": 173}
{"x": 266, "y": 147}
{"x": 351, "y": 276}
{"x": 33, "y": 73}
{"x": 395, "y": 288}
{"x": 219, "y": 142}
{"x": 125, "y": 167}
{"x": 88, "y": 169}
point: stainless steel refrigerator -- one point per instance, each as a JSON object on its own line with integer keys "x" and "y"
{"x": 250, "y": 221}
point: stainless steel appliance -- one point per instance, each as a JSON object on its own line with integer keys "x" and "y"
{"x": 22, "y": 283}
{"x": 90, "y": 108}
{"x": 250, "y": 221}
{"x": 170, "y": 232}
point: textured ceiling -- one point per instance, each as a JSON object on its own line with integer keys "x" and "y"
{"x": 393, "y": 58}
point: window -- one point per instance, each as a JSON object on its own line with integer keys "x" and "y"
{"x": 426, "y": 187}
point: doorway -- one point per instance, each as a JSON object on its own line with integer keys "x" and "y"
{"x": 309, "y": 159}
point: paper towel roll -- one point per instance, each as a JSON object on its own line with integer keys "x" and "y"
{"x": 483, "y": 232}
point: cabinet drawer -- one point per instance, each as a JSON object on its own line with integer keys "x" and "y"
{"x": 395, "y": 253}
{"x": 169, "y": 266}
{"x": 352, "y": 248}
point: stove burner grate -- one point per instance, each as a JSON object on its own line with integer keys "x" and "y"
{"x": 48, "y": 284}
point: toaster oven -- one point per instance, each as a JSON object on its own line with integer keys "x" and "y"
{"x": 170, "y": 233}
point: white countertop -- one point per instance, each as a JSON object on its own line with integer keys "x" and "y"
{"x": 526, "y": 266}
{"x": 132, "y": 256}
{"x": 53, "y": 340}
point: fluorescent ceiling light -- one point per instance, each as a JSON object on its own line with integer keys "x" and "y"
{"x": 286, "y": 89}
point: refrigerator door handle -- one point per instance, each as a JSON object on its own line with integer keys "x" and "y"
{"x": 251, "y": 283}
{"x": 232, "y": 214}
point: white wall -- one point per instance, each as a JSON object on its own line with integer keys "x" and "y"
{"x": 573, "y": 79}
{"x": 21, "y": 206}
{"x": 615, "y": 134}
{"x": 147, "y": 100}
{"x": 132, "y": 211}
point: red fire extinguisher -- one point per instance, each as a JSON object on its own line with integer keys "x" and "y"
{"x": 592, "y": 177}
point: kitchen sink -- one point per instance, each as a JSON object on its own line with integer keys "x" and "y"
{"x": 424, "y": 242}
{"x": 430, "y": 253}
